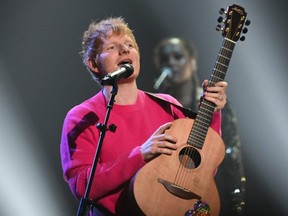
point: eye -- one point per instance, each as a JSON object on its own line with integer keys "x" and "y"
{"x": 131, "y": 45}
{"x": 111, "y": 47}
{"x": 178, "y": 56}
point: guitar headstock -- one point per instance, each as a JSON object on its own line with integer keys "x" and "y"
{"x": 233, "y": 23}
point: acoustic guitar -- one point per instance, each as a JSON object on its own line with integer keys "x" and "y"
{"x": 183, "y": 183}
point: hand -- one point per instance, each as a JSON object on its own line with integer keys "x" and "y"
{"x": 216, "y": 94}
{"x": 159, "y": 143}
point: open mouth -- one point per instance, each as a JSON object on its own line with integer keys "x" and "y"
{"x": 125, "y": 61}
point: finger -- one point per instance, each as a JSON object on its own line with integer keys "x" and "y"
{"x": 164, "y": 151}
{"x": 167, "y": 137}
{"x": 218, "y": 99}
{"x": 219, "y": 86}
{"x": 215, "y": 95}
{"x": 167, "y": 144}
{"x": 162, "y": 128}
{"x": 216, "y": 89}
{"x": 214, "y": 100}
{"x": 204, "y": 85}
{"x": 221, "y": 83}
{"x": 221, "y": 97}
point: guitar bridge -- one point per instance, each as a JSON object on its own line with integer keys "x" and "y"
{"x": 179, "y": 191}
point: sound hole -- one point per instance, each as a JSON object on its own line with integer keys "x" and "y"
{"x": 189, "y": 157}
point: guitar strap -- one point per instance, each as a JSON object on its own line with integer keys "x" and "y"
{"x": 186, "y": 111}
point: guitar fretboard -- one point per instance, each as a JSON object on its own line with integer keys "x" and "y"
{"x": 202, "y": 122}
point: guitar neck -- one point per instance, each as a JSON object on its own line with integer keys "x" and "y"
{"x": 206, "y": 109}
{"x": 222, "y": 62}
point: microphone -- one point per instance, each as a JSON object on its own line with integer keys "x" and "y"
{"x": 124, "y": 71}
{"x": 166, "y": 71}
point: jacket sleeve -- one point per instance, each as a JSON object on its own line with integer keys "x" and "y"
{"x": 216, "y": 122}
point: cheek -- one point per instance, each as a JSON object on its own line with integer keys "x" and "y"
{"x": 136, "y": 66}
{"x": 102, "y": 58}
{"x": 188, "y": 71}
{"x": 135, "y": 54}
{"x": 104, "y": 62}
{"x": 136, "y": 62}
{"x": 182, "y": 62}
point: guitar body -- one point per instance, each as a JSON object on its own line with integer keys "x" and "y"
{"x": 154, "y": 199}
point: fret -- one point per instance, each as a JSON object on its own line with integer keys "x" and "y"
{"x": 221, "y": 64}
{"x": 217, "y": 78}
{"x": 207, "y": 106}
{"x": 205, "y": 113}
{"x": 224, "y": 59}
{"x": 202, "y": 125}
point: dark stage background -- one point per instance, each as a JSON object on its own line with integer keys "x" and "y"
{"x": 42, "y": 77}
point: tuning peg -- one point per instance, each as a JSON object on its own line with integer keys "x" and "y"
{"x": 220, "y": 19}
{"x": 247, "y": 23}
{"x": 242, "y": 38}
{"x": 222, "y": 11}
{"x": 245, "y": 30}
{"x": 219, "y": 28}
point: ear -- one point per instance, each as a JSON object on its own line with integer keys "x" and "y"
{"x": 92, "y": 65}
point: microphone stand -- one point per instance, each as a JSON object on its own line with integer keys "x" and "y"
{"x": 85, "y": 202}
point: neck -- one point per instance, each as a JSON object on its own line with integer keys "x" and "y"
{"x": 127, "y": 93}
{"x": 183, "y": 92}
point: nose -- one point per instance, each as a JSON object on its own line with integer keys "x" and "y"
{"x": 124, "y": 49}
{"x": 171, "y": 61}
{"x": 167, "y": 60}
